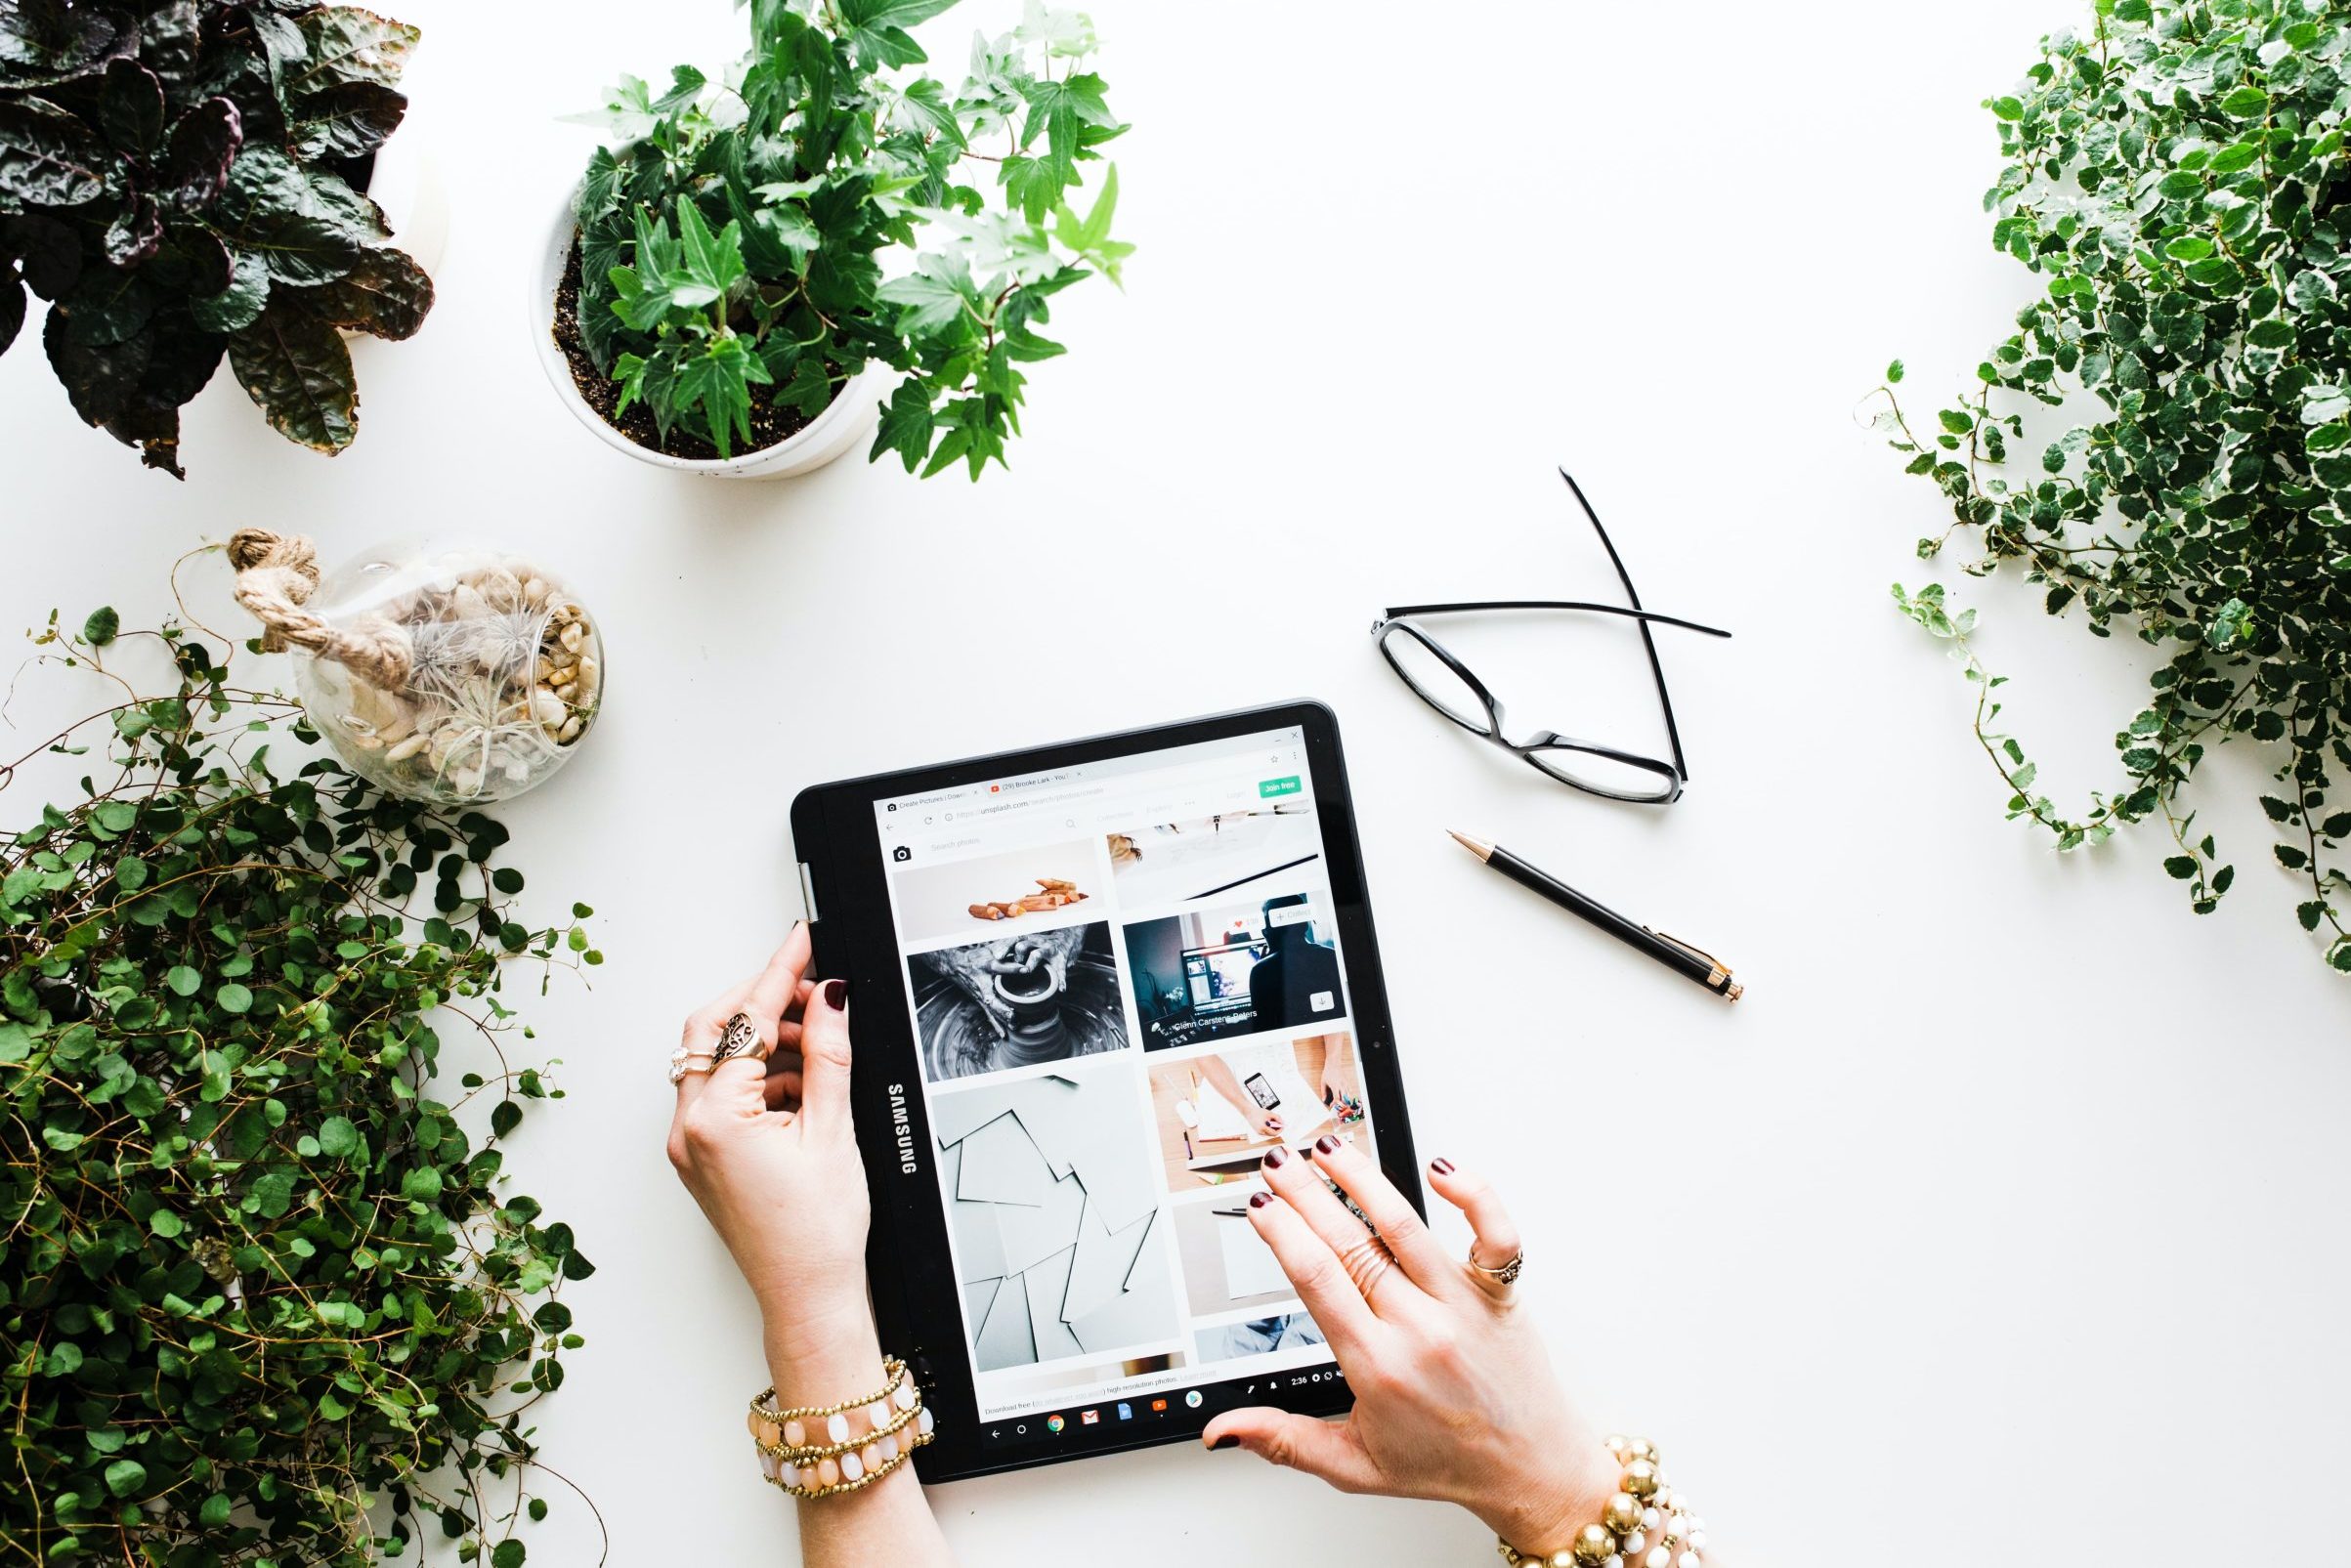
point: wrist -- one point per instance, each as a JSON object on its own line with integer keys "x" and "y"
{"x": 816, "y": 1357}
{"x": 1542, "y": 1506}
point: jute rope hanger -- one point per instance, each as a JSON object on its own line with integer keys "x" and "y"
{"x": 276, "y": 576}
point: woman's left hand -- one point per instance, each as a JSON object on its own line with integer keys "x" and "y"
{"x": 1455, "y": 1399}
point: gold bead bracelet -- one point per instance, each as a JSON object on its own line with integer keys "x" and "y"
{"x": 1644, "y": 1524}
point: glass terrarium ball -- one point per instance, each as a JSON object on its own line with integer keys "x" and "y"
{"x": 503, "y": 671}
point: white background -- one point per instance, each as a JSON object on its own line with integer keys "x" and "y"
{"x": 2007, "y": 1206}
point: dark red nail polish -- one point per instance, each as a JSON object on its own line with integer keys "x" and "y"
{"x": 1274, "y": 1157}
{"x": 836, "y": 994}
{"x": 1259, "y": 1199}
{"x": 1227, "y": 1441}
{"x": 1442, "y": 1167}
{"x": 1327, "y": 1144}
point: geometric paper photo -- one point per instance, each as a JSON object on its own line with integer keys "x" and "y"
{"x": 1054, "y": 1208}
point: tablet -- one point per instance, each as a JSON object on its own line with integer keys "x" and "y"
{"x": 1091, "y": 985}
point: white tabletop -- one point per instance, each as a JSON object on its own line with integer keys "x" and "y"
{"x": 2003, "y": 1208}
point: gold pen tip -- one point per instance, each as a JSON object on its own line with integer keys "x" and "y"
{"x": 1476, "y": 846}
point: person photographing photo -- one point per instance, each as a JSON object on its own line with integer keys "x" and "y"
{"x": 1455, "y": 1396}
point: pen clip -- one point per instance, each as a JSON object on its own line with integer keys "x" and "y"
{"x": 1721, "y": 971}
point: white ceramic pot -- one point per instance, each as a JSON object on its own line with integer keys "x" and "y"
{"x": 843, "y": 425}
{"x": 406, "y": 184}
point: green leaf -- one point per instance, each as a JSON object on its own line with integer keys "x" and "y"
{"x": 296, "y": 368}
{"x": 101, "y": 627}
{"x": 508, "y": 1554}
{"x": 126, "y": 1477}
{"x": 2246, "y": 102}
{"x": 387, "y": 295}
{"x": 232, "y": 999}
{"x": 240, "y": 304}
{"x": 47, "y": 157}
{"x": 932, "y": 303}
{"x": 346, "y": 44}
{"x": 338, "y": 1136}
{"x": 906, "y": 425}
{"x": 2181, "y": 867}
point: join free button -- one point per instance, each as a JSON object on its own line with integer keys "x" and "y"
{"x": 1267, "y": 788}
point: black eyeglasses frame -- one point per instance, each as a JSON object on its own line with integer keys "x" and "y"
{"x": 1672, "y": 774}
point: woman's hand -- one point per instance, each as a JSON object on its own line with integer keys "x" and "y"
{"x": 1455, "y": 1399}
{"x": 768, "y": 1149}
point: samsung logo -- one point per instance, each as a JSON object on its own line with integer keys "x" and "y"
{"x": 904, "y": 1134}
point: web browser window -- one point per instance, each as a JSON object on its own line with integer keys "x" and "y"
{"x": 1125, "y": 985}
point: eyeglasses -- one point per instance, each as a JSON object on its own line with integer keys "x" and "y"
{"x": 1443, "y": 681}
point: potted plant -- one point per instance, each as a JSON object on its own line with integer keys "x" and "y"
{"x": 186, "y": 186}
{"x": 716, "y": 297}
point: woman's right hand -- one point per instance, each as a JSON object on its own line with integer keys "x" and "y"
{"x": 1455, "y": 1399}
{"x": 769, "y": 1152}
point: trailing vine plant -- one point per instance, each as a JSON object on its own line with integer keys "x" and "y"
{"x": 262, "y": 1300}
{"x": 2176, "y": 173}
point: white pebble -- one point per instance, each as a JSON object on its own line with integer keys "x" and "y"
{"x": 1688, "y": 1559}
{"x": 852, "y": 1469}
{"x": 923, "y": 1420}
{"x": 1658, "y": 1557}
{"x": 837, "y": 1427}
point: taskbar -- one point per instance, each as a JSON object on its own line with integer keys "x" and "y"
{"x": 1157, "y": 1413}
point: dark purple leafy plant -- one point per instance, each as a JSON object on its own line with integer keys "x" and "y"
{"x": 181, "y": 180}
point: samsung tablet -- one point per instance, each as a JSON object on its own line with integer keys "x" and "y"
{"x": 1091, "y": 985}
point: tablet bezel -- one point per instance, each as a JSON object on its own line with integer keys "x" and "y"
{"x": 838, "y": 844}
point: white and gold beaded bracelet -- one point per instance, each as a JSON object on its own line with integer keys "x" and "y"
{"x": 896, "y": 1425}
{"x": 1646, "y": 1524}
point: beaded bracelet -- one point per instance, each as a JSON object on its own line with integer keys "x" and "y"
{"x": 1642, "y": 1526}
{"x": 842, "y": 1463}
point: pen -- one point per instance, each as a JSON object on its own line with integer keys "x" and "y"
{"x": 1693, "y": 963}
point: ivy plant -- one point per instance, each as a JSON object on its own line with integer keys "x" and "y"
{"x": 177, "y": 179}
{"x": 736, "y": 239}
{"x": 256, "y": 1278}
{"x": 2175, "y": 173}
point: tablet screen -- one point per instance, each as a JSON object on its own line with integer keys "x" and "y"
{"x": 1126, "y": 986}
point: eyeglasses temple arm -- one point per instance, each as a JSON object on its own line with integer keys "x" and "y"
{"x": 1395, "y": 611}
{"x": 1673, "y": 730}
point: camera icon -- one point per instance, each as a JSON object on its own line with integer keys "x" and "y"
{"x": 902, "y": 853}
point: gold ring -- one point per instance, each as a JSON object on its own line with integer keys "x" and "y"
{"x": 1501, "y": 1274}
{"x": 739, "y": 1038}
{"x": 1365, "y": 1263}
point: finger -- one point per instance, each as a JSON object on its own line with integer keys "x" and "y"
{"x": 1496, "y": 1239}
{"x": 1298, "y": 1442}
{"x": 772, "y": 991}
{"x": 1423, "y": 1260}
{"x": 700, "y": 1036}
{"x": 1330, "y": 1297}
{"x": 784, "y": 1086}
{"x": 1333, "y": 1222}
{"x": 825, "y": 1054}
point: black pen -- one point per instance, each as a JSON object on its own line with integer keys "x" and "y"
{"x": 1693, "y": 963}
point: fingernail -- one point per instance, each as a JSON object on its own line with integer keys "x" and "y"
{"x": 1327, "y": 1144}
{"x": 1228, "y": 1440}
{"x": 836, "y": 994}
{"x": 1273, "y": 1158}
{"x": 1259, "y": 1199}
{"x": 1442, "y": 1167}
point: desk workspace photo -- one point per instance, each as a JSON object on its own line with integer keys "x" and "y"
{"x": 970, "y": 781}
